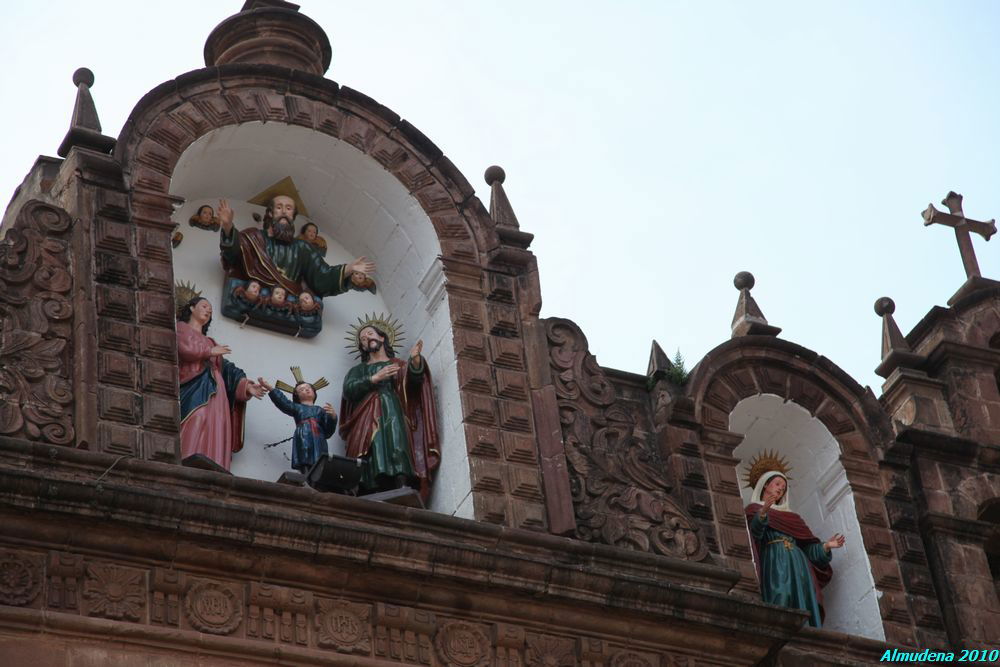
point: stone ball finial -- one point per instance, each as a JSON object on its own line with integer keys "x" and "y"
{"x": 744, "y": 280}
{"x": 84, "y": 76}
{"x": 495, "y": 174}
{"x": 885, "y": 306}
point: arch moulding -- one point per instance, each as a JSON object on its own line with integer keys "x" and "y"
{"x": 752, "y": 365}
{"x": 493, "y": 291}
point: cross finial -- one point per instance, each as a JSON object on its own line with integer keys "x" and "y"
{"x": 963, "y": 226}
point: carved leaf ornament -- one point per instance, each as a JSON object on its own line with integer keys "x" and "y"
{"x": 35, "y": 326}
{"x": 619, "y": 493}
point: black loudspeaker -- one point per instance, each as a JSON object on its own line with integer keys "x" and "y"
{"x": 336, "y": 474}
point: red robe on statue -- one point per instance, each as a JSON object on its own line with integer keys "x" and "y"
{"x": 211, "y": 428}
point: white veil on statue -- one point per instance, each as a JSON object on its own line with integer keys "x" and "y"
{"x": 758, "y": 490}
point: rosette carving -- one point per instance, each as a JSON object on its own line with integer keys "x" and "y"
{"x": 619, "y": 489}
{"x": 115, "y": 592}
{"x": 20, "y": 579}
{"x": 36, "y": 319}
{"x": 547, "y": 651}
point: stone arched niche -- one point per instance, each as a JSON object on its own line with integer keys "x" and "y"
{"x": 360, "y": 209}
{"x": 820, "y": 492}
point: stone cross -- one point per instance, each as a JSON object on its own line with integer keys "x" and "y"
{"x": 962, "y": 227}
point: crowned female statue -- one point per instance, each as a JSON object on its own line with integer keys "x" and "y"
{"x": 792, "y": 564}
{"x": 213, "y": 390}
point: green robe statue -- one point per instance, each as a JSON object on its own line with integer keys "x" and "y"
{"x": 391, "y": 425}
{"x": 792, "y": 564}
{"x": 252, "y": 255}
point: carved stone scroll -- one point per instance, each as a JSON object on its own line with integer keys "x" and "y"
{"x": 36, "y": 326}
{"x": 619, "y": 488}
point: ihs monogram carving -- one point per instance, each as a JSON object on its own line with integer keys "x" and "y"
{"x": 35, "y": 326}
{"x": 20, "y": 579}
{"x": 344, "y": 626}
{"x": 546, "y": 651}
{"x": 213, "y": 608}
{"x": 115, "y": 592}
{"x": 618, "y": 490}
{"x": 463, "y": 644}
{"x": 632, "y": 659}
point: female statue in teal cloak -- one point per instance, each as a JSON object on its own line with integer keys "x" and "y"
{"x": 792, "y": 564}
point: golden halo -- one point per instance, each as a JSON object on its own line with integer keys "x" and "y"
{"x": 383, "y": 322}
{"x": 765, "y": 461}
{"x": 297, "y": 374}
{"x": 183, "y": 292}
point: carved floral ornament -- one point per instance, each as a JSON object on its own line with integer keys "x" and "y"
{"x": 35, "y": 319}
{"x": 548, "y": 651}
{"x": 115, "y": 592}
{"x": 20, "y": 579}
{"x": 618, "y": 487}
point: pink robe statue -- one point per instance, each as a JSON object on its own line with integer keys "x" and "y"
{"x": 211, "y": 423}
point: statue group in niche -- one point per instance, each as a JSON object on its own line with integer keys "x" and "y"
{"x": 277, "y": 280}
{"x": 792, "y": 564}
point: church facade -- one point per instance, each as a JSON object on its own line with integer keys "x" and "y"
{"x": 581, "y": 515}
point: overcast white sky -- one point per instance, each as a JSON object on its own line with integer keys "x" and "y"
{"x": 653, "y": 148}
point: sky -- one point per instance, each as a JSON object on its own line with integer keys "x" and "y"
{"x": 654, "y": 149}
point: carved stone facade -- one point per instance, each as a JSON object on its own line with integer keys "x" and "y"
{"x": 609, "y": 527}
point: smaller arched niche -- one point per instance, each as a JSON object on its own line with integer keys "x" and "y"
{"x": 359, "y": 209}
{"x": 820, "y": 493}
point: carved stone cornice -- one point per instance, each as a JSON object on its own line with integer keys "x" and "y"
{"x": 211, "y": 525}
{"x": 965, "y": 530}
{"x": 939, "y": 446}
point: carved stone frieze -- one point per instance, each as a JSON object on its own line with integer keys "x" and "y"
{"x": 404, "y": 633}
{"x": 633, "y": 659}
{"x": 36, "y": 326}
{"x": 548, "y": 651}
{"x": 167, "y": 587}
{"x": 213, "y": 608}
{"x": 64, "y": 572}
{"x": 619, "y": 489}
{"x": 20, "y": 578}
{"x": 463, "y": 644}
{"x": 114, "y": 592}
{"x": 276, "y": 611}
{"x": 344, "y": 626}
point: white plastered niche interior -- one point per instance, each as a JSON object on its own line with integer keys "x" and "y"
{"x": 360, "y": 209}
{"x": 820, "y": 493}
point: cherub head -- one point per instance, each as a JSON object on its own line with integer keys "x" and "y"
{"x": 205, "y": 214}
{"x": 252, "y": 292}
{"x": 307, "y": 303}
{"x": 278, "y": 295}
